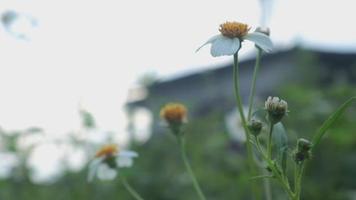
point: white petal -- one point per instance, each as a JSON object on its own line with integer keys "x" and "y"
{"x": 224, "y": 46}
{"x": 105, "y": 172}
{"x": 261, "y": 40}
{"x": 130, "y": 154}
{"x": 93, "y": 167}
{"x": 124, "y": 161}
{"x": 211, "y": 40}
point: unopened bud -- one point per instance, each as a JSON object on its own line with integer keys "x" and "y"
{"x": 301, "y": 156}
{"x": 276, "y": 108}
{"x": 303, "y": 145}
{"x": 264, "y": 30}
{"x": 255, "y": 126}
{"x": 175, "y": 114}
{"x": 303, "y": 150}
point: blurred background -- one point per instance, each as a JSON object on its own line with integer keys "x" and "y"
{"x": 76, "y": 74}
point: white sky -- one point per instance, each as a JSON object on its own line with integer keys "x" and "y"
{"x": 91, "y": 52}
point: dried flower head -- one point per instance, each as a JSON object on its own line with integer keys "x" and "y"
{"x": 276, "y": 108}
{"x": 228, "y": 42}
{"x": 174, "y": 113}
{"x": 234, "y": 29}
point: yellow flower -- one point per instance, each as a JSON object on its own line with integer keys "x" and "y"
{"x": 175, "y": 113}
{"x": 234, "y": 29}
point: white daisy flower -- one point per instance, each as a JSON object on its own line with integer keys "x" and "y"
{"x": 107, "y": 161}
{"x": 232, "y": 35}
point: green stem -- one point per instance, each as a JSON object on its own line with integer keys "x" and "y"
{"x": 189, "y": 169}
{"x": 266, "y": 182}
{"x": 298, "y": 180}
{"x": 296, "y": 172}
{"x": 267, "y": 189}
{"x": 269, "y": 146}
{"x": 244, "y": 123}
{"x": 253, "y": 86}
{"x": 276, "y": 172}
{"x": 129, "y": 188}
{"x": 282, "y": 180}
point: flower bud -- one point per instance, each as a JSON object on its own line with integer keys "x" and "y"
{"x": 276, "y": 109}
{"x": 255, "y": 126}
{"x": 303, "y": 151}
{"x": 264, "y": 30}
{"x": 175, "y": 114}
{"x": 303, "y": 145}
{"x": 300, "y": 156}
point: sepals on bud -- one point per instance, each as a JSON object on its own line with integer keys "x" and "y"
{"x": 277, "y": 108}
{"x": 255, "y": 126}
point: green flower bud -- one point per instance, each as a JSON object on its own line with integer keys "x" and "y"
{"x": 303, "y": 150}
{"x": 255, "y": 126}
{"x": 276, "y": 109}
{"x": 303, "y": 145}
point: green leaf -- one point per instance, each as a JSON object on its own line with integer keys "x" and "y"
{"x": 261, "y": 177}
{"x": 330, "y": 121}
{"x": 260, "y": 114}
{"x": 280, "y": 139}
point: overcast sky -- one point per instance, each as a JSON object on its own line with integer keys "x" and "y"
{"x": 89, "y": 53}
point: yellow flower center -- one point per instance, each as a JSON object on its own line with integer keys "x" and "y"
{"x": 174, "y": 113}
{"x": 234, "y": 29}
{"x": 107, "y": 150}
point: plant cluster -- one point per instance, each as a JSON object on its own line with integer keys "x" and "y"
{"x": 267, "y": 145}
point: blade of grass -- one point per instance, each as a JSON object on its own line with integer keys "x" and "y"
{"x": 330, "y": 121}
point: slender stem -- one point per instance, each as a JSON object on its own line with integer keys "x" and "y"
{"x": 129, "y": 188}
{"x": 266, "y": 182}
{"x": 189, "y": 169}
{"x": 269, "y": 146}
{"x": 296, "y": 172}
{"x": 298, "y": 187}
{"x": 281, "y": 178}
{"x": 244, "y": 123}
{"x": 253, "y": 86}
{"x": 267, "y": 189}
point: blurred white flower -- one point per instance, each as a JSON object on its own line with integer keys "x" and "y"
{"x": 234, "y": 125}
{"x": 107, "y": 161}
{"x": 18, "y": 24}
{"x": 232, "y": 35}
